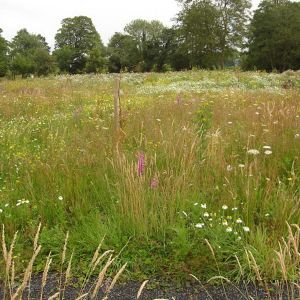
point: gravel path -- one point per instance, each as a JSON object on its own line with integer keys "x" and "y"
{"x": 129, "y": 291}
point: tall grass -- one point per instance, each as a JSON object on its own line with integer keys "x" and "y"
{"x": 197, "y": 132}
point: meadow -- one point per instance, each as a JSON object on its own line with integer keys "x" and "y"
{"x": 203, "y": 178}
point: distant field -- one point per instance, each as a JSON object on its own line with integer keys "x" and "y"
{"x": 219, "y": 169}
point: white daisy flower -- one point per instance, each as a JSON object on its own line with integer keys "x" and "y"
{"x": 246, "y": 229}
{"x": 253, "y": 151}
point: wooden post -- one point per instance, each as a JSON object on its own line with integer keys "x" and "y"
{"x": 117, "y": 110}
{"x": 117, "y": 114}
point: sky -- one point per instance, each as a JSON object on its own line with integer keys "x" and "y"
{"x": 109, "y": 16}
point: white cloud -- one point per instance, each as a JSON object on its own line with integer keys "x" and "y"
{"x": 109, "y": 16}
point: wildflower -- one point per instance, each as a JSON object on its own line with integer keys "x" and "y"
{"x": 229, "y": 122}
{"x": 239, "y": 238}
{"x": 6, "y": 205}
{"x": 225, "y": 223}
{"x": 267, "y": 215}
{"x": 154, "y": 183}
{"x": 196, "y": 203}
{"x": 1, "y": 211}
{"x": 268, "y": 152}
{"x": 253, "y": 151}
{"x": 228, "y": 229}
{"x": 229, "y": 168}
{"x": 141, "y": 164}
{"x": 234, "y": 208}
{"x": 241, "y": 166}
{"x": 206, "y": 214}
{"x": 199, "y": 225}
{"x": 246, "y": 229}
{"x": 267, "y": 147}
{"x": 297, "y": 136}
{"x": 239, "y": 221}
{"x": 224, "y": 207}
{"x": 60, "y": 198}
{"x": 203, "y": 205}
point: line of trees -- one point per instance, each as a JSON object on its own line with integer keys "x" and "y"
{"x": 210, "y": 34}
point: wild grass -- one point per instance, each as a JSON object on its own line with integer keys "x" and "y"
{"x": 221, "y": 163}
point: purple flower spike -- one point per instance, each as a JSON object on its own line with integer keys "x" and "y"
{"x": 141, "y": 164}
{"x": 154, "y": 183}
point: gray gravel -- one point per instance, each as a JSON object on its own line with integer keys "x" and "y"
{"x": 128, "y": 291}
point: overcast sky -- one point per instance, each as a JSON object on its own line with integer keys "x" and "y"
{"x": 109, "y": 16}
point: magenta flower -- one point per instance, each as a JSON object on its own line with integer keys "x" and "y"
{"x": 154, "y": 183}
{"x": 141, "y": 164}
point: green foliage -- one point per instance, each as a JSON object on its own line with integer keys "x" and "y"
{"x": 274, "y": 42}
{"x": 213, "y": 30}
{"x": 30, "y": 54}
{"x": 78, "y": 46}
{"x": 3, "y": 55}
{"x": 123, "y": 53}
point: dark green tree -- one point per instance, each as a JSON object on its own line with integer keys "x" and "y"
{"x": 29, "y": 54}
{"x": 3, "y": 55}
{"x": 213, "y": 30}
{"x": 123, "y": 53}
{"x": 78, "y": 46}
{"x": 148, "y": 36}
{"x": 274, "y": 42}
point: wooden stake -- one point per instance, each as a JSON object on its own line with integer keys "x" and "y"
{"x": 117, "y": 105}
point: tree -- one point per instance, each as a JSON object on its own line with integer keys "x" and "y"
{"x": 213, "y": 29}
{"x": 30, "y": 54}
{"x": 198, "y": 25}
{"x": 78, "y": 45}
{"x": 123, "y": 53}
{"x": 274, "y": 41}
{"x": 3, "y": 55}
{"x": 147, "y": 35}
{"x": 173, "y": 52}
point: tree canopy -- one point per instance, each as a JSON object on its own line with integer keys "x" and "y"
{"x": 29, "y": 54}
{"x": 78, "y": 46}
{"x": 211, "y": 34}
{"x": 3, "y": 55}
{"x": 274, "y": 41}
